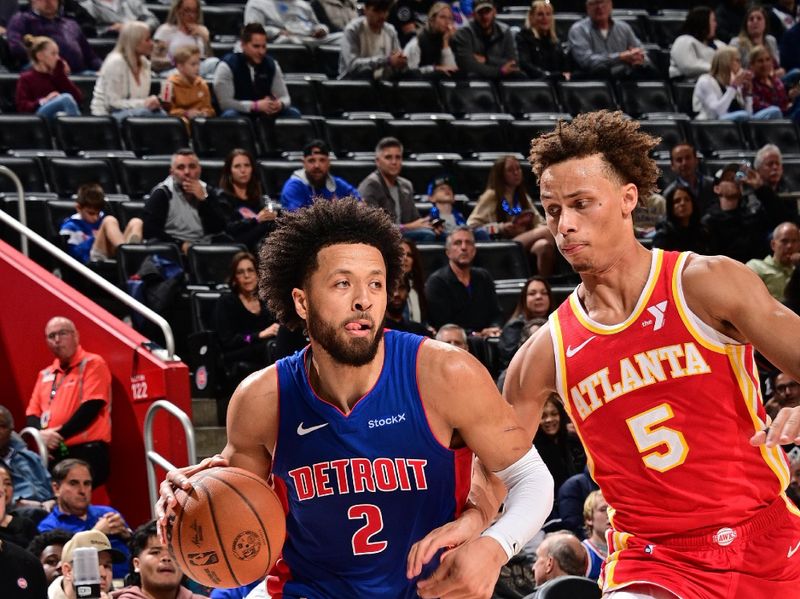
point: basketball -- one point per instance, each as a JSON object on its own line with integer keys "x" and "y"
{"x": 229, "y": 530}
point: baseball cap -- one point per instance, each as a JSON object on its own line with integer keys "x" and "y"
{"x": 439, "y": 180}
{"x": 481, "y": 4}
{"x": 91, "y": 538}
{"x": 316, "y": 146}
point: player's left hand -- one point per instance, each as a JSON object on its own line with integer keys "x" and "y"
{"x": 783, "y": 430}
{"x": 467, "y": 526}
{"x": 469, "y": 571}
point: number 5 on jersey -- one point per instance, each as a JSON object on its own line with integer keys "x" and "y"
{"x": 648, "y": 436}
{"x": 373, "y": 523}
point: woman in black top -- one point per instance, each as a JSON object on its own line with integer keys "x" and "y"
{"x": 541, "y": 55}
{"x": 243, "y": 323}
{"x": 250, "y": 219}
{"x": 680, "y": 229}
{"x": 13, "y": 527}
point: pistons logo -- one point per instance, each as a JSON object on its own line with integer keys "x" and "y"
{"x": 246, "y": 545}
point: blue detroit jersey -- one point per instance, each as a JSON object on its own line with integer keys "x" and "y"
{"x": 361, "y": 488}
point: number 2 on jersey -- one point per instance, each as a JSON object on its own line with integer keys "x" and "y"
{"x": 648, "y": 436}
{"x": 373, "y": 523}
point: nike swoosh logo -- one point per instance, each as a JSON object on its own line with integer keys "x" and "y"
{"x": 792, "y": 551}
{"x": 571, "y": 351}
{"x": 304, "y": 431}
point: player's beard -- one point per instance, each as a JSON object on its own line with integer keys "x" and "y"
{"x": 350, "y": 352}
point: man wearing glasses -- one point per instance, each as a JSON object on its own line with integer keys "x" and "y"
{"x": 71, "y": 400}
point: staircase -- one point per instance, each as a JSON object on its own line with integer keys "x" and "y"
{"x": 210, "y": 438}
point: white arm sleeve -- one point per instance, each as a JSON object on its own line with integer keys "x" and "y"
{"x": 528, "y": 503}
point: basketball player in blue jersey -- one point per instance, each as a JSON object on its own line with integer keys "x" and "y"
{"x": 368, "y": 434}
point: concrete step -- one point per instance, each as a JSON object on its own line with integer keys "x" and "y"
{"x": 204, "y": 412}
{"x": 209, "y": 440}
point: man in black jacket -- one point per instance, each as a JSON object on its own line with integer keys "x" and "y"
{"x": 182, "y": 209}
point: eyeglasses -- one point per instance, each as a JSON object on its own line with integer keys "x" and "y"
{"x": 62, "y": 333}
{"x": 786, "y": 387}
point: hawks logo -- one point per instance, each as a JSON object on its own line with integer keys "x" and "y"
{"x": 205, "y": 558}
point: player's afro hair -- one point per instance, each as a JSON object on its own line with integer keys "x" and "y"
{"x": 623, "y": 146}
{"x": 288, "y": 257}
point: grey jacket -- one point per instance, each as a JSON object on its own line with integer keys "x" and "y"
{"x": 352, "y": 59}
{"x": 498, "y": 50}
{"x": 127, "y": 10}
{"x": 375, "y": 192}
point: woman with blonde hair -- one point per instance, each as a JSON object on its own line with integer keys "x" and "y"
{"x": 183, "y": 27}
{"x": 45, "y": 88}
{"x": 540, "y": 52}
{"x": 726, "y": 92}
{"x": 123, "y": 84}
{"x": 768, "y": 89}
{"x": 429, "y": 51}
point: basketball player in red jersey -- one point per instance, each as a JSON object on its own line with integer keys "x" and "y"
{"x": 653, "y": 357}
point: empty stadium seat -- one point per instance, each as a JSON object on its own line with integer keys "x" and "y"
{"x": 131, "y": 256}
{"x": 469, "y": 137}
{"x": 303, "y": 95}
{"x": 671, "y": 132}
{"x": 421, "y": 173}
{"x": 666, "y": 28}
{"x": 713, "y": 137}
{"x": 432, "y": 256}
{"x": 224, "y": 21}
{"x": 348, "y": 136}
{"x": 8, "y": 92}
{"x": 568, "y": 587}
{"x": 211, "y": 264}
{"x": 791, "y": 174}
{"x": 154, "y": 136}
{"x": 338, "y": 97}
{"x": 217, "y": 137}
{"x": 408, "y": 97}
{"x": 462, "y": 97}
{"x": 682, "y": 92}
{"x": 328, "y": 57}
{"x": 28, "y": 171}
{"x": 521, "y": 133}
{"x": 274, "y": 174}
{"x": 82, "y": 133}
{"x": 57, "y": 212}
{"x": 85, "y": 83}
{"x": 782, "y": 133}
{"x": 565, "y": 20}
{"x": 139, "y": 177}
{"x": 419, "y": 136}
{"x": 211, "y": 171}
{"x": 640, "y": 97}
{"x": 352, "y": 171}
{"x": 471, "y": 177}
{"x": 294, "y": 58}
{"x": 23, "y": 132}
{"x": 66, "y": 175}
{"x": 505, "y": 260}
{"x": 586, "y": 96}
{"x": 524, "y": 97}
{"x": 284, "y": 135}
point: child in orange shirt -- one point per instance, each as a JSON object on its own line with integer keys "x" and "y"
{"x": 185, "y": 93}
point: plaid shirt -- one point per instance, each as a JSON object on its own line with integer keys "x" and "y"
{"x": 765, "y": 96}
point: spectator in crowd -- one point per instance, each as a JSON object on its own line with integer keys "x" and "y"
{"x": 775, "y": 270}
{"x": 75, "y": 512}
{"x": 769, "y": 166}
{"x": 70, "y": 402}
{"x": 155, "y": 573}
{"x": 429, "y": 52}
{"x": 7, "y": 10}
{"x": 250, "y": 219}
{"x": 335, "y": 14}
{"x": 787, "y": 390}
{"x": 571, "y": 498}
{"x": 730, "y": 15}
{"x": 535, "y": 301}
{"x": 370, "y": 47}
{"x": 14, "y": 528}
{"x": 782, "y": 15}
{"x": 109, "y": 17}
{"x": 123, "y": 84}
{"x": 768, "y": 90}
{"x": 754, "y": 32}
{"x": 505, "y": 211}
{"x": 790, "y": 48}
{"x": 21, "y": 575}
{"x": 314, "y": 179}
{"x": 484, "y": 48}
{"x": 45, "y": 88}
{"x": 595, "y": 514}
{"x": 454, "y": 335}
{"x": 413, "y": 273}
{"x": 250, "y": 81}
{"x": 44, "y": 18}
{"x": 384, "y": 188}
{"x": 607, "y": 48}
{"x": 183, "y": 209}
{"x": 462, "y": 294}
{"x": 183, "y": 27}
{"x": 243, "y": 323}
{"x": 735, "y": 229}
{"x": 408, "y": 16}
{"x": 29, "y": 476}
{"x": 109, "y": 556}
{"x": 686, "y": 166}
{"x": 561, "y": 450}
{"x": 540, "y": 53}
{"x": 691, "y": 52}
{"x": 766, "y": 185}
{"x": 395, "y": 312}
{"x": 560, "y": 554}
{"x": 185, "y": 93}
{"x": 289, "y": 22}
{"x": 91, "y": 234}
{"x": 726, "y": 91}
{"x": 680, "y": 229}
{"x": 47, "y": 548}
{"x": 440, "y": 194}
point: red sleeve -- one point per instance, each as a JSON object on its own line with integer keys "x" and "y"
{"x": 26, "y": 100}
{"x": 63, "y": 84}
{"x": 96, "y": 380}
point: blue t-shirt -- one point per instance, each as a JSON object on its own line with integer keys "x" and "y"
{"x": 80, "y": 236}
{"x": 298, "y": 192}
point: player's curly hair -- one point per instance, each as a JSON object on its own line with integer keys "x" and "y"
{"x": 624, "y": 147}
{"x": 288, "y": 257}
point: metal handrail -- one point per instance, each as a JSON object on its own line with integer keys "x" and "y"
{"x": 152, "y": 457}
{"x": 21, "y": 211}
{"x": 41, "y": 446}
{"x": 113, "y": 290}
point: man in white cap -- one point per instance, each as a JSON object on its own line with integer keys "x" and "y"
{"x": 62, "y": 587}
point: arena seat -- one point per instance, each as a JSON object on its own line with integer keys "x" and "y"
{"x": 432, "y": 257}
{"x": 8, "y": 91}
{"x": 66, "y": 175}
{"x": 128, "y": 210}
{"x": 348, "y": 136}
{"x": 521, "y": 133}
{"x": 640, "y": 97}
{"x": 303, "y": 95}
{"x": 713, "y": 137}
{"x": 139, "y": 176}
{"x": 24, "y": 132}
{"x": 28, "y": 170}
{"x": 462, "y": 97}
{"x": 102, "y": 45}
{"x": 154, "y": 136}
{"x": 408, "y": 97}
{"x": 791, "y": 173}
{"x": 131, "y": 255}
{"x": 470, "y": 137}
{"x": 568, "y": 587}
{"x": 294, "y": 58}
{"x": 525, "y": 97}
{"x": 224, "y": 21}
{"x": 682, "y": 92}
{"x": 471, "y": 177}
{"x": 85, "y": 83}
{"x": 565, "y": 20}
{"x": 337, "y": 97}
{"x": 352, "y": 171}
{"x": 328, "y": 57}
{"x": 211, "y": 170}
{"x": 586, "y": 96}
{"x": 670, "y": 131}
{"x": 211, "y": 264}
{"x": 421, "y": 173}
{"x": 57, "y": 211}
{"x": 284, "y": 135}
{"x": 81, "y": 133}
{"x": 216, "y": 137}
{"x": 666, "y": 28}
{"x": 418, "y": 136}
{"x": 274, "y": 174}
{"x": 505, "y": 260}
{"x": 782, "y": 133}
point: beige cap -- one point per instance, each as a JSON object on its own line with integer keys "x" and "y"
{"x": 91, "y": 538}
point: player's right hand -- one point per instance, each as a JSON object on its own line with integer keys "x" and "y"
{"x": 466, "y": 572}
{"x": 467, "y": 526}
{"x": 179, "y": 479}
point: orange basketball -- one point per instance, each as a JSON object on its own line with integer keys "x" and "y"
{"x": 229, "y": 530}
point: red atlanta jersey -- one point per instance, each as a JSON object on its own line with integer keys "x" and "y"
{"x": 665, "y": 407}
